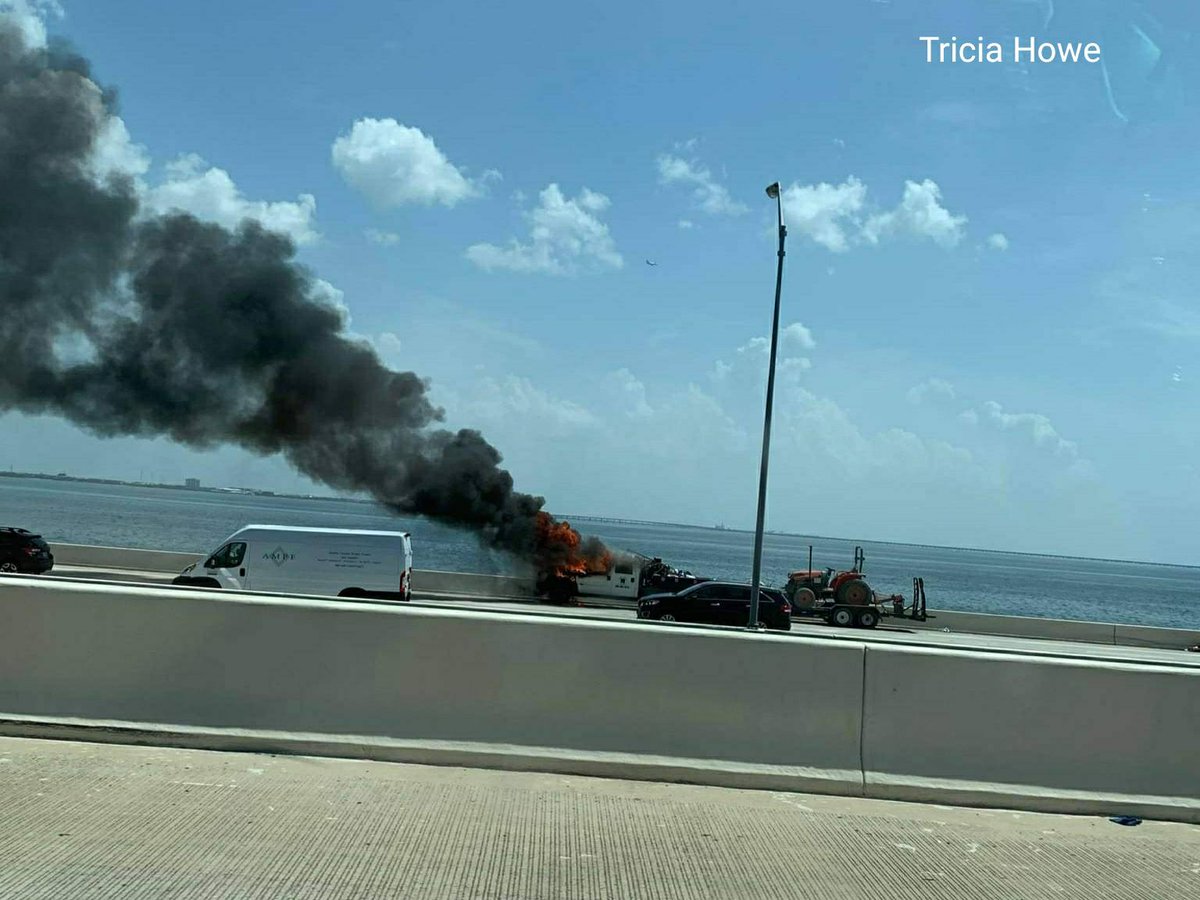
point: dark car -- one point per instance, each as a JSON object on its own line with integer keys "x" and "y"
{"x": 718, "y": 603}
{"x": 25, "y": 552}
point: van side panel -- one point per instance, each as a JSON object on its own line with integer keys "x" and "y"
{"x": 326, "y": 564}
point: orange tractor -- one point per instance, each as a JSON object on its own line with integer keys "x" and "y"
{"x": 844, "y": 598}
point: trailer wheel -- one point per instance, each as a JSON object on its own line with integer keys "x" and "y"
{"x": 866, "y": 618}
{"x": 842, "y": 616}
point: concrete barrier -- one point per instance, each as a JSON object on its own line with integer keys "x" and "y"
{"x": 122, "y": 558}
{"x": 432, "y": 582}
{"x": 1017, "y": 626}
{"x": 1039, "y": 733}
{"x": 431, "y": 685}
{"x": 1166, "y": 638}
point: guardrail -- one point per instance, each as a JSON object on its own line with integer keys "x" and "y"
{"x": 256, "y": 672}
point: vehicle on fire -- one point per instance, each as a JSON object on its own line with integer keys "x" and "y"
{"x": 23, "y": 552}
{"x": 629, "y": 576}
{"x": 718, "y": 603}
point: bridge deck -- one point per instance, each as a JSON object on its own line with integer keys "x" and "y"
{"x": 118, "y": 822}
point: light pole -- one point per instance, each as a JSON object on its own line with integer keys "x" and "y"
{"x": 773, "y": 193}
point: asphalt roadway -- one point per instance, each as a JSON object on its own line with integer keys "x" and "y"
{"x": 118, "y": 822}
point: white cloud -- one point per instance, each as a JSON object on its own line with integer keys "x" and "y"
{"x": 566, "y": 237}
{"x": 921, "y": 215}
{"x": 631, "y": 393}
{"x": 388, "y": 344}
{"x": 334, "y": 298}
{"x": 393, "y": 164}
{"x": 998, "y": 241}
{"x": 825, "y": 213}
{"x": 748, "y": 368}
{"x": 969, "y": 416}
{"x": 514, "y": 398}
{"x": 115, "y": 153}
{"x": 383, "y": 238}
{"x": 837, "y": 216}
{"x": 934, "y": 387}
{"x": 209, "y": 193}
{"x": 799, "y": 336}
{"x": 686, "y": 224}
{"x": 1036, "y": 425}
{"x": 707, "y": 194}
{"x": 30, "y": 18}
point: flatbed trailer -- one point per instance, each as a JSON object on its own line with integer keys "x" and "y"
{"x": 870, "y": 614}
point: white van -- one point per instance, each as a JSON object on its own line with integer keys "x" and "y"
{"x": 331, "y": 562}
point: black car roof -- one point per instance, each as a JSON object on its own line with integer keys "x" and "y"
{"x": 17, "y": 532}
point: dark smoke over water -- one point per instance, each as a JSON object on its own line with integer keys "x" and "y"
{"x": 128, "y": 323}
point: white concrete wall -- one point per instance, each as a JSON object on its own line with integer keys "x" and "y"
{"x": 598, "y": 697}
{"x": 1040, "y": 732}
{"x": 1058, "y": 629}
{"x": 123, "y": 558}
{"x": 561, "y": 692}
{"x": 428, "y": 581}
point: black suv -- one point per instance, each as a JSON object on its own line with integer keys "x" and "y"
{"x": 718, "y": 603}
{"x": 25, "y": 552}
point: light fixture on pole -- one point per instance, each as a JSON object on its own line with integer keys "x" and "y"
{"x": 756, "y": 578}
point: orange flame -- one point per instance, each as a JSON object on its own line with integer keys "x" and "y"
{"x": 561, "y": 551}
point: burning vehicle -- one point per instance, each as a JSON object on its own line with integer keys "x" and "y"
{"x": 612, "y": 574}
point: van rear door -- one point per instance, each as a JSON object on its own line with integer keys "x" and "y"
{"x": 406, "y": 570}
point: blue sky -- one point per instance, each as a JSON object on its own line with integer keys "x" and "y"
{"x": 990, "y": 272}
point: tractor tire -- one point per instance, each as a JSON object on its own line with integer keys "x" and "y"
{"x": 855, "y": 592}
{"x": 842, "y": 617}
{"x": 804, "y": 598}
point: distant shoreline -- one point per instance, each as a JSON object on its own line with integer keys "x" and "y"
{"x": 199, "y": 489}
{"x": 252, "y": 492}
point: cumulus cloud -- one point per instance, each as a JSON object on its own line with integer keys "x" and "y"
{"x": 933, "y": 388}
{"x": 797, "y": 335}
{"x": 838, "y": 217}
{"x": 920, "y": 215}
{"x": 191, "y": 185}
{"x": 566, "y": 237}
{"x": 333, "y": 297}
{"x": 707, "y": 194}
{"x": 115, "y": 153}
{"x": 1036, "y": 425}
{"x": 383, "y": 238}
{"x": 998, "y": 241}
{"x": 393, "y": 164}
{"x": 29, "y": 17}
{"x": 752, "y": 359}
{"x": 516, "y": 398}
{"x": 630, "y": 393}
{"x": 827, "y": 214}
{"x": 388, "y": 344}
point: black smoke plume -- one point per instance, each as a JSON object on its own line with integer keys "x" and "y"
{"x": 129, "y": 323}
